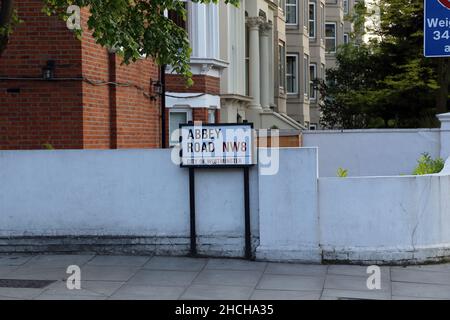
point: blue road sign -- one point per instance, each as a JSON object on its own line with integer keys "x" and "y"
{"x": 437, "y": 28}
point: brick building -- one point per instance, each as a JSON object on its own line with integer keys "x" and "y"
{"x": 58, "y": 91}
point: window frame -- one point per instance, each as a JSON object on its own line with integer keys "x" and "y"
{"x": 187, "y": 111}
{"x": 286, "y": 5}
{"x": 306, "y": 75}
{"x": 282, "y": 66}
{"x": 346, "y": 35}
{"x": 314, "y": 20}
{"x": 312, "y": 91}
{"x": 294, "y": 76}
{"x": 322, "y": 22}
{"x": 331, "y": 38}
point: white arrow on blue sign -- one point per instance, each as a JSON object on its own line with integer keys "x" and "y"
{"x": 437, "y": 28}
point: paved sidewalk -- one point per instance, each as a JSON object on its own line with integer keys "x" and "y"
{"x": 136, "y": 277}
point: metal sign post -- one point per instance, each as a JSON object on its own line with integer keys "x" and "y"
{"x": 218, "y": 146}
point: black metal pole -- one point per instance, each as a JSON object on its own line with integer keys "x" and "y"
{"x": 192, "y": 211}
{"x": 248, "y": 234}
{"x": 162, "y": 76}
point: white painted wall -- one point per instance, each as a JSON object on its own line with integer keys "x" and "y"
{"x": 289, "y": 224}
{"x": 97, "y": 198}
{"x": 121, "y": 193}
{"x": 372, "y": 152}
{"x": 380, "y": 219}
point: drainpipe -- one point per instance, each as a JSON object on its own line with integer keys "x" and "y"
{"x": 112, "y": 101}
{"x": 162, "y": 79}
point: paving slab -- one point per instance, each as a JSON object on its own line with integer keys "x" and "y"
{"x": 163, "y": 278}
{"x": 107, "y": 273}
{"x": 55, "y": 261}
{"x": 38, "y": 273}
{"x": 420, "y": 276}
{"x": 420, "y": 290}
{"x": 344, "y": 282}
{"x": 149, "y": 292}
{"x": 414, "y": 298}
{"x": 46, "y": 296}
{"x": 175, "y": 264}
{"x": 228, "y": 277}
{"x": 5, "y": 270}
{"x": 296, "y": 269}
{"x": 290, "y": 282}
{"x": 285, "y": 295}
{"x": 214, "y": 292}
{"x": 118, "y": 261}
{"x": 14, "y": 260}
{"x": 356, "y": 271}
{"x": 19, "y": 293}
{"x": 235, "y": 264}
{"x": 353, "y": 294}
{"x": 88, "y": 288}
{"x": 428, "y": 267}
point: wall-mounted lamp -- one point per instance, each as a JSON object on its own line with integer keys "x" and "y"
{"x": 157, "y": 87}
{"x": 49, "y": 70}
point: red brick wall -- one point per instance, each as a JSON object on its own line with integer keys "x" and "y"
{"x": 43, "y": 111}
{"x": 72, "y": 114}
{"x": 118, "y": 116}
{"x": 138, "y": 117}
{"x": 202, "y": 84}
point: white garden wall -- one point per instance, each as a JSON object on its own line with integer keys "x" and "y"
{"x": 372, "y": 152}
{"x": 381, "y": 219}
{"x": 106, "y": 199}
{"x": 137, "y": 201}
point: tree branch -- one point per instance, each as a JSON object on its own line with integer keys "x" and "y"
{"x": 6, "y": 14}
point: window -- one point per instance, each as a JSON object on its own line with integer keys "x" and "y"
{"x": 211, "y": 116}
{"x": 312, "y": 77}
{"x": 282, "y": 65}
{"x": 330, "y": 37}
{"x": 346, "y": 38}
{"x": 177, "y": 117}
{"x": 305, "y": 13}
{"x": 345, "y": 6}
{"x": 313, "y": 126}
{"x": 291, "y": 74}
{"x": 322, "y": 21}
{"x": 306, "y": 75}
{"x": 291, "y": 11}
{"x": 312, "y": 20}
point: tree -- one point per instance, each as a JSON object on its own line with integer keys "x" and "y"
{"x": 386, "y": 82}
{"x": 135, "y": 28}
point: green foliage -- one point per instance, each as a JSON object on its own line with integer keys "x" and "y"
{"x": 47, "y": 146}
{"x": 7, "y": 29}
{"x": 428, "y": 165}
{"x": 342, "y": 173}
{"x": 386, "y": 83}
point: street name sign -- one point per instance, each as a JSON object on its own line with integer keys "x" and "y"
{"x": 437, "y": 28}
{"x": 217, "y": 145}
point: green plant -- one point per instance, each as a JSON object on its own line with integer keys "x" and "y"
{"x": 47, "y": 146}
{"x": 342, "y": 173}
{"x": 428, "y": 165}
